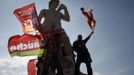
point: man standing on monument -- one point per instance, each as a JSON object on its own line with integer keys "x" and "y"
{"x": 82, "y": 54}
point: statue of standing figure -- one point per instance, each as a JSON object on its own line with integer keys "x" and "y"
{"x": 51, "y": 25}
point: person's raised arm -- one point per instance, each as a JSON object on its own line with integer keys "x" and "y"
{"x": 88, "y": 37}
{"x": 66, "y": 15}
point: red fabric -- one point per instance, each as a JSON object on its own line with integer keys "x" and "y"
{"x": 32, "y": 69}
{"x": 90, "y": 20}
{"x": 47, "y": 35}
{"x": 27, "y": 15}
{"x": 23, "y": 43}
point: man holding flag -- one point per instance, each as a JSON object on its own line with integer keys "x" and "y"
{"x": 83, "y": 55}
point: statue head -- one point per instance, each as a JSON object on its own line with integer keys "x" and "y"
{"x": 54, "y": 4}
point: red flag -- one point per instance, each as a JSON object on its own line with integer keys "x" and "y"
{"x": 25, "y": 45}
{"x": 27, "y": 15}
{"x": 32, "y": 69}
{"x": 90, "y": 20}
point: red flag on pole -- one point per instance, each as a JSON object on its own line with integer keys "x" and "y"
{"x": 27, "y": 15}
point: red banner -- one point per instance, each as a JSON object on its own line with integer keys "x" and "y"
{"x": 32, "y": 69}
{"x": 27, "y": 15}
{"x": 25, "y": 45}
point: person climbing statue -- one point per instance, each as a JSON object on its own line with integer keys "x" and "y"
{"x": 89, "y": 15}
{"x": 83, "y": 55}
{"x": 52, "y": 24}
{"x": 40, "y": 64}
{"x": 53, "y": 47}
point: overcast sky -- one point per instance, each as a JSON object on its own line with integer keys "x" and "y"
{"x": 111, "y": 47}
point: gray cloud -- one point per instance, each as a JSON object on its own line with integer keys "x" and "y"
{"x": 14, "y": 66}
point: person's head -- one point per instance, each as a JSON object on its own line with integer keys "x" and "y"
{"x": 79, "y": 37}
{"x": 54, "y": 4}
{"x": 82, "y": 9}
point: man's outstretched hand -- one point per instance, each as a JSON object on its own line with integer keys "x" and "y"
{"x": 92, "y": 32}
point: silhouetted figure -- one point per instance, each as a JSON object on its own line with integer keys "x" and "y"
{"x": 40, "y": 64}
{"x": 82, "y": 54}
{"x": 52, "y": 23}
